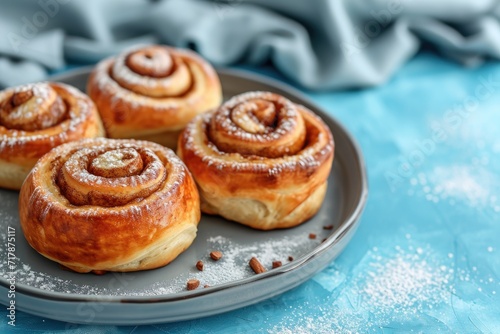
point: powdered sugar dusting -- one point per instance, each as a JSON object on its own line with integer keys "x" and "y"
{"x": 404, "y": 282}
{"x": 397, "y": 286}
{"x": 43, "y": 96}
{"x": 161, "y": 176}
{"x": 25, "y": 275}
{"x": 195, "y": 139}
{"x": 233, "y": 265}
{"x": 128, "y": 78}
{"x": 76, "y": 165}
{"x": 182, "y": 91}
{"x": 80, "y": 111}
{"x": 236, "y": 115}
{"x": 471, "y": 185}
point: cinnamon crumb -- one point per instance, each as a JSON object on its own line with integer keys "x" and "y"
{"x": 323, "y": 240}
{"x": 206, "y": 286}
{"x": 328, "y": 227}
{"x": 276, "y": 264}
{"x": 290, "y": 258}
{"x": 216, "y": 255}
{"x": 312, "y": 236}
{"x": 256, "y": 266}
{"x": 193, "y": 284}
{"x": 199, "y": 265}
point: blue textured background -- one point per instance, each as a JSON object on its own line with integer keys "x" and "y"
{"x": 426, "y": 256}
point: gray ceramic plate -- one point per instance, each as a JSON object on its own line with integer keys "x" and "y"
{"x": 155, "y": 296}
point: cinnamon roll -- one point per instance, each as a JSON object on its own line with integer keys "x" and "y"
{"x": 259, "y": 160}
{"x": 151, "y": 93}
{"x": 37, "y": 117}
{"x": 109, "y": 205}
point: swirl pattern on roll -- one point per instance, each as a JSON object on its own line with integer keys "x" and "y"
{"x": 260, "y": 160}
{"x": 35, "y": 118}
{"x": 110, "y": 205}
{"x": 153, "y": 92}
{"x": 32, "y": 108}
{"x": 262, "y": 125}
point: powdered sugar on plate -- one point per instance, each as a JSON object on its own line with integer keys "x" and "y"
{"x": 233, "y": 265}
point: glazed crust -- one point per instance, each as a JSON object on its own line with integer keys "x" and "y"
{"x": 151, "y": 93}
{"x": 37, "y": 117}
{"x": 259, "y": 160}
{"x": 110, "y": 205}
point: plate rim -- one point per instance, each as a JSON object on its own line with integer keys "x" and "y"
{"x": 346, "y": 225}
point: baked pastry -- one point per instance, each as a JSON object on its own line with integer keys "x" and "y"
{"x": 35, "y": 118}
{"x": 151, "y": 93}
{"x": 259, "y": 160}
{"x": 109, "y": 205}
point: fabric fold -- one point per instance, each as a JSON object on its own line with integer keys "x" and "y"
{"x": 319, "y": 45}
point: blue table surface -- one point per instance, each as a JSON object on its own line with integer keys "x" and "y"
{"x": 426, "y": 257}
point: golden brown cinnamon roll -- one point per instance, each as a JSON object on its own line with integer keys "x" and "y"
{"x": 37, "y": 117}
{"x": 109, "y": 205}
{"x": 259, "y": 160}
{"x": 151, "y": 93}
